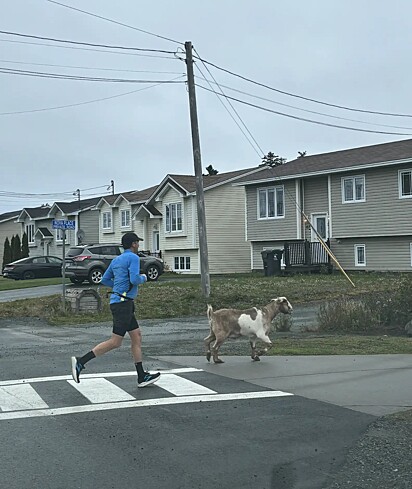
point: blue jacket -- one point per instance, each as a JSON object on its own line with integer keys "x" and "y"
{"x": 123, "y": 274}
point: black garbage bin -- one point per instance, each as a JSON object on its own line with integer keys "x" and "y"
{"x": 271, "y": 262}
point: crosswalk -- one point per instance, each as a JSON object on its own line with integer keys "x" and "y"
{"x": 25, "y": 398}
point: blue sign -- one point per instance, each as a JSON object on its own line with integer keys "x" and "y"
{"x": 62, "y": 224}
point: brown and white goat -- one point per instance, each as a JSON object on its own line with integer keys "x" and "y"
{"x": 254, "y": 323}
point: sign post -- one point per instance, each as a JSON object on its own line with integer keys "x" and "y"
{"x": 63, "y": 225}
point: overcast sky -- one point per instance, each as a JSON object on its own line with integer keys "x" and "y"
{"x": 354, "y": 53}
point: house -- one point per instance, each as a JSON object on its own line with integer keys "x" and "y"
{"x": 167, "y": 220}
{"x": 44, "y": 240}
{"x": 361, "y": 199}
{"x": 8, "y": 228}
{"x": 116, "y": 213}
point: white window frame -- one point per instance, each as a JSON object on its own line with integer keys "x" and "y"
{"x": 125, "y": 216}
{"x": 356, "y": 248}
{"x": 109, "y": 218}
{"x": 31, "y": 234}
{"x": 353, "y": 179}
{"x": 186, "y": 262}
{"x": 275, "y": 191}
{"x": 173, "y": 208}
{"x": 401, "y": 194}
{"x": 59, "y": 235}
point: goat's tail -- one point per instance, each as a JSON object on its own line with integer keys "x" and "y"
{"x": 209, "y": 312}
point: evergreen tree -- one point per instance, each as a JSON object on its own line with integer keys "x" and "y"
{"x": 25, "y": 246}
{"x": 7, "y": 256}
{"x": 12, "y": 247}
{"x": 272, "y": 160}
{"x": 17, "y": 247}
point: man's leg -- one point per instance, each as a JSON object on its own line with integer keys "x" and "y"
{"x": 143, "y": 378}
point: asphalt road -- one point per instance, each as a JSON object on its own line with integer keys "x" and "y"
{"x": 113, "y": 435}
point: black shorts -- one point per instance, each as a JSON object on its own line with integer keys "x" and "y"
{"x": 123, "y": 317}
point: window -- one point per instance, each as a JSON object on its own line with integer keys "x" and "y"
{"x": 360, "y": 256}
{"x": 107, "y": 220}
{"x": 53, "y": 259}
{"x": 39, "y": 259}
{"x": 174, "y": 219}
{"x": 405, "y": 184}
{"x": 271, "y": 203}
{"x": 182, "y": 263}
{"x": 30, "y": 233}
{"x": 59, "y": 234}
{"x": 353, "y": 189}
{"x": 125, "y": 218}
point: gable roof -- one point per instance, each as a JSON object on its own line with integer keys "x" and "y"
{"x": 8, "y": 216}
{"x": 35, "y": 212}
{"x": 337, "y": 161}
{"x": 75, "y": 206}
{"x": 186, "y": 184}
{"x": 45, "y": 232}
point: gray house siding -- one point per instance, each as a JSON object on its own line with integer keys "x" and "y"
{"x": 382, "y": 214}
{"x": 270, "y": 229}
{"x": 315, "y": 196}
{"x": 89, "y": 224}
{"x": 381, "y": 254}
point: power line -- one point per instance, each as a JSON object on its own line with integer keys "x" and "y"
{"x": 114, "y": 22}
{"x": 61, "y": 76}
{"x": 256, "y": 144}
{"x": 90, "y": 67}
{"x": 303, "y": 119}
{"x": 79, "y": 103}
{"x": 66, "y": 41}
{"x": 310, "y": 111}
{"x": 160, "y": 56}
{"x": 300, "y": 96}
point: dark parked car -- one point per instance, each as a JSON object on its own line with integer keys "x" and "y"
{"x": 34, "y": 267}
{"x": 89, "y": 262}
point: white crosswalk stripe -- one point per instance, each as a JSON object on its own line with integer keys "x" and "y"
{"x": 101, "y": 390}
{"x": 178, "y": 386}
{"x": 20, "y": 397}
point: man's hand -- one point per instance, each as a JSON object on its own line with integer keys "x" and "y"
{"x": 145, "y": 276}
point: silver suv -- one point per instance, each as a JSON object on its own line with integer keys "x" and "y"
{"x": 89, "y": 262}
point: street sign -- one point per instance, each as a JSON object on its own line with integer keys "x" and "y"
{"x": 62, "y": 224}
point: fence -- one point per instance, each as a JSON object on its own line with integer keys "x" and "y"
{"x": 303, "y": 255}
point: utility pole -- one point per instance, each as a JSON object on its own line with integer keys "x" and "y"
{"x": 78, "y": 215}
{"x": 111, "y": 186}
{"x": 197, "y": 159}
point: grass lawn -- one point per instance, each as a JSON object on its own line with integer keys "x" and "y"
{"x": 11, "y": 284}
{"x": 176, "y": 296}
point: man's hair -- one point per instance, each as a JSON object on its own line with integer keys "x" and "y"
{"x": 128, "y": 239}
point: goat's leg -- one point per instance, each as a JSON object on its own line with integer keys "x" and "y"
{"x": 265, "y": 338}
{"x": 207, "y": 341}
{"x": 254, "y": 355}
{"x": 215, "y": 349}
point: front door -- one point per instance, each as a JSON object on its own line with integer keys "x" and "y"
{"x": 320, "y": 223}
{"x": 156, "y": 241}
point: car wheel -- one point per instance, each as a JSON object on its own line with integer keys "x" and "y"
{"x": 95, "y": 276}
{"x": 152, "y": 272}
{"x": 76, "y": 280}
{"x": 28, "y": 275}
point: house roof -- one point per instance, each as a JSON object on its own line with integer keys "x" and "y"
{"x": 132, "y": 196}
{"x": 76, "y": 205}
{"x": 7, "y": 216}
{"x": 45, "y": 232}
{"x": 36, "y": 212}
{"x": 344, "y": 160}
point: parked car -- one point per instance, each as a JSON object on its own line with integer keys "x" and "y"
{"x": 35, "y": 267}
{"x": 89, "y": 262}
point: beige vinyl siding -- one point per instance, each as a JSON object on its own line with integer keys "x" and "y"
{"x": 258, "y": 247}
{"x": 269, "y": 229}
{"x": 89, "y": 224}
{"x": 8, "y": 229}
{"x": 382, "y": 254}
{"x": 315, "y": 191}
{"x": 225, "y": 226}
{"x": 169, "y": 256}
{"x": 383, "y": 213}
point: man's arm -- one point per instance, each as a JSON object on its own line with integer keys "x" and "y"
{"x": 108, "y": 277}
{"x": 136, "y": 277}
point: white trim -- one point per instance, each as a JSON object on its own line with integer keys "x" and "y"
{"x": 400, "y": 184}
{"x": 252, "y": 261}
{"x": 126, "y": 226}
{"x": 356, "y": 246}
{"x": 194, "y": 227}
{"x": 266, "y": 189}
{"x": 107, "y": 229}
{"x": 410, "y": 251}
{"x": 313, "y": 216}
{"x": 176, "y": 231}
{"x": 354, "y": 200}
{"x": 330, "y": 206}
